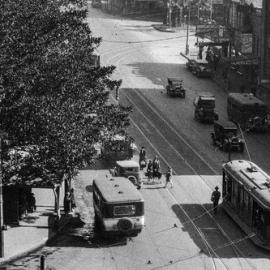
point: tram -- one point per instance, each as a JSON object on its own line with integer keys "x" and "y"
{"x": 246, "y": 198}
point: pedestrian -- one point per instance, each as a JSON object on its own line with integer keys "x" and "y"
{"x": 169, "y": 177}
{"x": 72, "y": 199}
{"x": 149, "y": 171}
{"x": 156, "y": 167}
{"x": 142, "y": 158}
{"x": 32, "y": 202}
{"x": 215, "y": 199}
{"x": 67, "y": 203}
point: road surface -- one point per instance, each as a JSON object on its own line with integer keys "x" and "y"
{"x": 180, "y": 232}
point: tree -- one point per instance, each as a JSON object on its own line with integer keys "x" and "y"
{"x": 50, "y": 88}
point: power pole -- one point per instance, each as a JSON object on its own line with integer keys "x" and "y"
{"x": 1, "y": 202}
{"x": 188, "y": 21}
{"x": 170, "y": 13}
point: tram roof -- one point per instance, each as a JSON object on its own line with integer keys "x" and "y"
{"x": 117, "y": 189}
{"x": 255, "y": 180}
{"x": 245, "y": 99}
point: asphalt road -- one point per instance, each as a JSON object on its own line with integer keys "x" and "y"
{"x": 180, "y": 231}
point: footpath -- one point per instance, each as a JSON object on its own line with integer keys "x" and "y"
{"x": 35, "y": 229}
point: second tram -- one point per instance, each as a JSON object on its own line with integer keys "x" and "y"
{"x": 246, "y": 198}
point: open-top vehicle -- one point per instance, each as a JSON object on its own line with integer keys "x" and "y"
{"x": 205, "y": 108}
{"x": 190, "y": 64}
{"x": 175, "y": 87}
{"x": 201, "y": 69}
{"x": 226, "y": 136}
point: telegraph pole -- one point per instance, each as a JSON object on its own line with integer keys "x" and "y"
{"x": 188, "y": 21}
{"x": 211, "y": 10}
{"x": 170, "y": 13}
{"x": 1, "y": 202}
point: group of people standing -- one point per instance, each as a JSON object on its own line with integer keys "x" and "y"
{"x": 153, "y": 168}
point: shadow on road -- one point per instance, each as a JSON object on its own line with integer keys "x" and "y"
{"x": 221, "y": 246}
{"x": 80, "y": 234}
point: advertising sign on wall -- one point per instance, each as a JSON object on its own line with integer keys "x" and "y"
{"x": 243, "y": 43}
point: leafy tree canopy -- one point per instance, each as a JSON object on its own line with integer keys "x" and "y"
{"x": 53, "y": 101}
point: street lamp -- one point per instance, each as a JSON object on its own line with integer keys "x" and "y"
{"x": 187, "y": 45}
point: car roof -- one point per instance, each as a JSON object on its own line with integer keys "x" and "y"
{"x": 201, "y": 61}
{"x": 226, "y": 124}
{"x": 245, "y": 98}
{"x": 175, "y": 79}
{"x": 127, "y": 163}
{"x": 206, "y": 96}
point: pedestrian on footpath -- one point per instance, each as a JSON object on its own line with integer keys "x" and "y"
{"x": 169, "y": 177}
{"x": 215, "y": 199}
{"x": 67, "y": 202}
{"x": 32, "y": 202}
{"x": 72, "y": 200}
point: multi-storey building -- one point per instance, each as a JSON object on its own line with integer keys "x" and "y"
{"x": 264, "y": 75}
{"x": 246, "y": 64}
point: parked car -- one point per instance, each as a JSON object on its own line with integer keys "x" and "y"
{"x": 129, "y": 169}
{"x": 190, "y": 64}
{"x": 201, "y": 69}
{"x": 175, "y": 87}
{"x": 226, "y": 136}
{"x": 205, "y": 108}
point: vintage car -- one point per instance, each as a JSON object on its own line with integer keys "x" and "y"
{"x": 226, "y": 136}
{"x": 175, "y": 87}
{"x": 190, "y": 64}
{"x": 205, "y": 108}
{"x": 201, "y": 69}
{"x": 129, "y": 169}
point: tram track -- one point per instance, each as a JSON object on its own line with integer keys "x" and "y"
{"x": 167, "y": 126}
{"x": 210, "y": 250}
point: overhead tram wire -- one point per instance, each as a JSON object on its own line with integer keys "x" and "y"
{"x": 242, "y": 134}
{"x": 233, "y": 245}
{"x": 150, "y": 40}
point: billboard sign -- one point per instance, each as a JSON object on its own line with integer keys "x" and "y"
{"x": 243, "y": 43}
{"x": 203, "y": 29}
